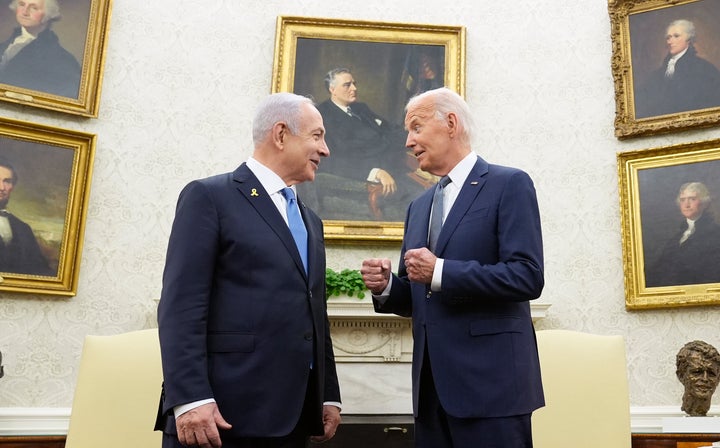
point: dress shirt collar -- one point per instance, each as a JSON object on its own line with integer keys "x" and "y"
{"x": 461, "y": 171}
{"x": 271, "y": 182}
{"x": 24, "y": 36}
{"x": 343, "y": 108}
{"x": 679, "y": 55}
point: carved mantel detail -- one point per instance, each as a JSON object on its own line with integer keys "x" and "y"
{"x": 372, "y": 340}
{"x": 361, "y": 335}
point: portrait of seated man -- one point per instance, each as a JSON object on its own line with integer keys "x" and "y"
{"x": 20, "y": 252}
{"x": 698, "y": 369}
{"x": 32, "y": 56}
{"x": 692, "y": 254}
{"x": 683, "y": 82}
{"x": 368, "y": 159}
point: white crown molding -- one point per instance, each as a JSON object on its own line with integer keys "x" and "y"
{"x": 55, "y": 421}
{"x": 34, "y": 421}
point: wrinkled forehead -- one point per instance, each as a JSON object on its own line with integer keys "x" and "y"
{"x": 419, "y": 111}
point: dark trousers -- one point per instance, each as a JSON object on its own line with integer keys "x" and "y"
{"x": 434, "y": 428}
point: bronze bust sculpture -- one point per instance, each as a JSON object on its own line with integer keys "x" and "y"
{"x": 698, "y": 369}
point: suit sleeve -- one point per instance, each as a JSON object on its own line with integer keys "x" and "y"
{"x": 184, "y": 302}
{"x": 517, "y": 273}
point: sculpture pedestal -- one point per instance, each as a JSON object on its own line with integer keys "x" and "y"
{"x": 682, "y": 425}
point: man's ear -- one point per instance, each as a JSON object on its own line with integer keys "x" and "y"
{"x": 452, "y": 124}
{"x": 279, "y": 134}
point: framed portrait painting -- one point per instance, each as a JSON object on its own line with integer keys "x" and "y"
{"x": 361, "y": 74}
{"x": 52, "y": 53}
{"x": 665, "y": 64}
{"x": 671, "y": 225}
{"x": 45, "y": 177}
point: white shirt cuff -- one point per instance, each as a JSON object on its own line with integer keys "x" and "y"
{"x": 436, "y": 282}
{"x": 183, "y": 408}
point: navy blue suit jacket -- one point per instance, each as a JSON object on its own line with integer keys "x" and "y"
{"x": 478, "y": 329}
{"x": 239, "y": 320}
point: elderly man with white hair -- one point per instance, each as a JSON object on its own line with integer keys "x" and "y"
{"x": 32, "y": 58}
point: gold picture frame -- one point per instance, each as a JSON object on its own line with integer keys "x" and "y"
{"x": 665, "y": 266}
{"x": 48, "y": 171}
{"x": 385, "y": 59}
{"x": 650, "y": 98}
{"x": 62, "y": 68}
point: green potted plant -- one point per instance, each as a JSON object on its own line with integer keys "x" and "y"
{"x": 346, "y": 282}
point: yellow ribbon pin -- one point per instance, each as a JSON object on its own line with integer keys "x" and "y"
{"x": 254, "y": 192}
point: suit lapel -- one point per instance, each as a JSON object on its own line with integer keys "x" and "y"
{"x": 469, "y": 191}
{"x": 251, "y": 188}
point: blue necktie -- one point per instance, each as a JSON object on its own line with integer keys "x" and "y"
{"x": 437, "y": 213}
{"x": 296, "y": 224}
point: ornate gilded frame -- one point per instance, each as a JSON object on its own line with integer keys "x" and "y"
{"x": 83, "y": 31}
{"x": 638, "y": 49}
{"x": 369, "y": 40}
{"x": 54, "y": 170}
{"x": 649, "y": 182}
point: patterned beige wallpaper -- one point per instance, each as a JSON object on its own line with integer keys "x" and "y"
{"x": 181, "y": 81}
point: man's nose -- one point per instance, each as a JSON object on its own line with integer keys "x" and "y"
{"x": 409, "y": 141}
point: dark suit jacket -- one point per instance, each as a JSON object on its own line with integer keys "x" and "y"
{"x": 696, "y": 261}
{"x": 239, "y": 320}
{"x": 22, "y": 255}
{"x": 42, "y": 65}
{"x": 478, "y": 330}
{"x": 359, "y": 145}
{"x": 694, "y": 85}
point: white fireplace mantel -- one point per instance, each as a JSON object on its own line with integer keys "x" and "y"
{"x": 362, "y": 335}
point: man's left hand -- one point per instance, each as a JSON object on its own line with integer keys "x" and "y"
{"x": 331, "y": 420}
{"x": 420, "y": 264}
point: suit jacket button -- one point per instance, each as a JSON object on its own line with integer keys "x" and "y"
{"x": 308, "y": 336}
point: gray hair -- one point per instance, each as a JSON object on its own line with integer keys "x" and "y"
{"x": 445, "y": 102}
{"x": 275, "y": 108}
{"x": 52, "y": 10}
{"x": 696, "y": 187}
{"x": 687, "y": 25}
{"x": 330, "y": 76}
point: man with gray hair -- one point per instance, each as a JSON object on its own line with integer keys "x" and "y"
{"x": 32, "y": 58}
{"x": 692, "y": 254}
{"x": 684, "y": 82}
{"x": 244, "y": 334}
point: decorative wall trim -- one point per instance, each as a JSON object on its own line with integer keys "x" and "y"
{"x": 362, "y": 335}
{"x": 366, "y": 339}
{"x": 34, "y": 421}
{"x": 54, "y": 421}
{"x": 352, "y": 307}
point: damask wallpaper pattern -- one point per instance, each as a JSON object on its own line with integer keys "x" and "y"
{"x": 180, "y": 84}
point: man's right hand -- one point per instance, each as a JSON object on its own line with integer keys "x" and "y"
{"x": 376, "y": 274}
{"x": 199, "y": 426}
{"x": 387, "y": 182}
